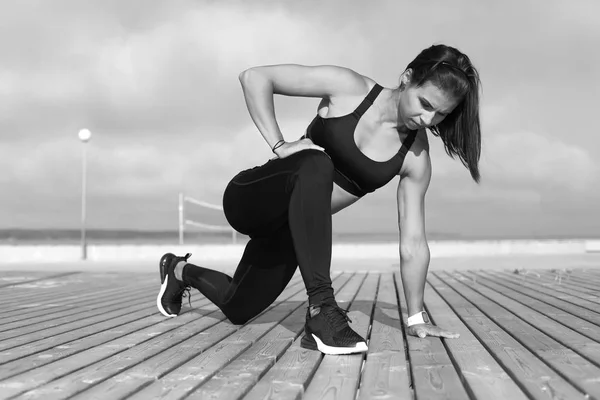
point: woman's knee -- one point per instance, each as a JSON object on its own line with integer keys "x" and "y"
{"x": 238, "y": 315}
{"x": 239, "y": 319}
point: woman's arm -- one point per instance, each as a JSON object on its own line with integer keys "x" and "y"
{"x": 261, "y": 83}
{"x": 414, "y": 251}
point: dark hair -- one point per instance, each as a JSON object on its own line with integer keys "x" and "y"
{"x": 451, "y": 71}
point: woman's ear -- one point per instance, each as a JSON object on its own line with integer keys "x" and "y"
{"x": 405, "y": 79}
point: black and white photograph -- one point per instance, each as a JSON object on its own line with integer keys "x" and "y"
{"x": 275, "y": 199}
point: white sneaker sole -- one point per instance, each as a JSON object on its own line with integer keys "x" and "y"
{"x": 360, "y": 347}
{"x": 163, "y": 287}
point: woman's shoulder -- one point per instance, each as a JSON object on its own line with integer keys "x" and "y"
{"x": 352, "y": 82}
{"x": 417, "y": 163}
{"x": 421, "y": 142}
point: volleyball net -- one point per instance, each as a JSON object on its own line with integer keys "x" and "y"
{"x": 184, "y": 203}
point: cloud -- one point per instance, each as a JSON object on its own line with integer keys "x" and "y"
{"x": 522, "y": 163}
{"x": 531, "y": 158}
{"x": 136, "y": 166}
{"x": 173, "y": 73}
{"x": 157, "y": 84}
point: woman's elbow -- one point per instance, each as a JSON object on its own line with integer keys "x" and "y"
{"x": 249, "y": 75}
{"x": 244, "y": 75}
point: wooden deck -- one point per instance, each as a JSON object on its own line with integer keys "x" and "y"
{"x": 524, "y": 335}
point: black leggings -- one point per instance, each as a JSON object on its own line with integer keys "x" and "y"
{"x": 285, "y": 208}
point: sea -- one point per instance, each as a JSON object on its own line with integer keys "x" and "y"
{"x": 115, "y": 237}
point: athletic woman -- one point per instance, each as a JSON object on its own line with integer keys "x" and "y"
{"x": 362, "y": 137}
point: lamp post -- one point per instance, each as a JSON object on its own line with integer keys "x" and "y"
{"x": 84, "y": 135}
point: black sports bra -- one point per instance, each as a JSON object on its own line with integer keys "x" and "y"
{"x": 354, "y": 171}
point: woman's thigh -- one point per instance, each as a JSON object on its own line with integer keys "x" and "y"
{"x": 256, "y": 201}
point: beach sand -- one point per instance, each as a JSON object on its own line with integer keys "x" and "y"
{"x": 508, "y": 262}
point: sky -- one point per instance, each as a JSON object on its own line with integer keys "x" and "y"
{"x": 156, "y": 83}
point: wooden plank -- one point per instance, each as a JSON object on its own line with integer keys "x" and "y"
{"x": 30, "y": 308}
{"x": 13, "y": 295}
{"x": 44, "y": 319}
{"x": 578, "y": 371}
{"x": 334, "y": 379}
{"x": 292, "y": 373}
{"x": 238, "y": 377}
{"x": 122, "y": 385}
{"x": 385, "y": 373}
{"x": 63, "y": 296}
{"x": 55, "y": 348}
{"x": 193, "y": 373}
{"x": 386, "y": 332}
{"x": 130, "y": 329}
{"x": 258, "y": 333}
{"x": 297, "y": 364}
{"x": 570, "y": 275}
{"x": 237, "y": 353}
{"x": 81, "y": 379}
{"x": 34, "y": 278}
{"x": 37, "y": 377}
{"x": 75, "y": 284}
{"x": 548, "y": 278}
{"x": 485, "y": 378}
{"x": 546, "y": 281}
{"x": 93, "y": 318}
{"x": 379, "y": 372}
{"x": 555, "y": 297}
{"x": 534, "y": 377}
{"x": 17, "y": 276}
{"x": 42, "y": 291}
{"x": 336, "y": 376}
{"x": 585, "y": 329}
{"x": 434, "y": 375}
{"x": 545, "y": 318}
{"x": 234, "y": 380}
{"x": 590, "y": 281}
{"x": 278, "y": 390}
{"x": 557, "y": 290}
{"x": 288, "y": 378}
{"x": 79, "y": 282}
{"x": 587, "y": 274}
{"x": 341, "y": 374}
{"x": 65, "y": 379}
{"x": 61, "y": 339}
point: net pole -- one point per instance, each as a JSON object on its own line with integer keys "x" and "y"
{"x": 181, "y": 224}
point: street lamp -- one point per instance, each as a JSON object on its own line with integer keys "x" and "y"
{"x": 84, "y": 135}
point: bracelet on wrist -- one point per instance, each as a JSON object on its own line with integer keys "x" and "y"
{"x": 419, "y": 318}
{"x": 278, "y": 145}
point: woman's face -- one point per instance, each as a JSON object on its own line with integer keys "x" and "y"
{"x": 424, "y": 106}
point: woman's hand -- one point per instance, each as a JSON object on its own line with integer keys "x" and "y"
{"x": 289, "y": 148}
{"x": 423, "y": 330}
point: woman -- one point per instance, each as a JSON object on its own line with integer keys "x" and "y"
{"x": 363, "y": 136}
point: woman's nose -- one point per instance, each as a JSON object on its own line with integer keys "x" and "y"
{"x": 426, "y": 118}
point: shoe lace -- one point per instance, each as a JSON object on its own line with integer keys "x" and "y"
{"x": 338, "y": 315}
{"x": 186, "y": 291}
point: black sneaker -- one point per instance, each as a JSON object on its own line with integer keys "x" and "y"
{"x": 171, "y": 290}
{"x": 329, "y": 332}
